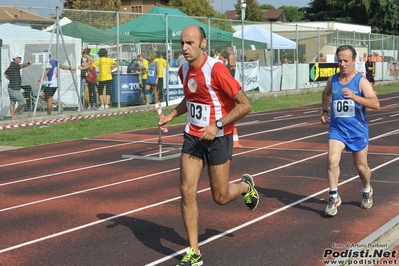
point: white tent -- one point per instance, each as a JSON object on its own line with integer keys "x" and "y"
{"x": 62, "y": 22}
{"x": 273, "y": 40}
{"x": 31, "y": 43}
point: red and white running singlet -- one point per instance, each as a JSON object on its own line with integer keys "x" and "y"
{"x": 209, "y": 91}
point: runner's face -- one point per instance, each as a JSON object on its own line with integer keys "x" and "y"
{"x": 192, "y": 45}
{"x": 345, "y": 61}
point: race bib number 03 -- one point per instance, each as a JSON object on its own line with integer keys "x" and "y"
{"x": 344, "y": 108}
{"x": 198, "y": 114}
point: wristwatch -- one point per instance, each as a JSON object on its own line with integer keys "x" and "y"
{"x": 324, "y": 111}
{"x": 219, "y": 124}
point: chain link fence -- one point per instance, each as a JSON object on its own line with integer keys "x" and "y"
{"x": 277, "y": 56}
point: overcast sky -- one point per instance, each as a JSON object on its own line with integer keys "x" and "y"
{"x": 219, "y": 5}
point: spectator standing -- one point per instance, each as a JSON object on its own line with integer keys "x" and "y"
{"x": 303, "y": 60}
{"x": 364, "y": 58}
{"x": 348, "y": 94}
{"x": 231, "y": 61}
{"x": 152, "y": 79}
{"x": 143, "y": 69}
{"x": 214, "y": 101}
{"x": 161, "y": 61}
{"x": 219, "y": 56}
{"x": 322, "y": 59}
{"x": 83, "y": 78}
{"x": 51, "y": 73}
{"x": 283, "y": 60}
{"x": 91, "y": 78}
{"x": 13, "y": 74}
{"x": 173, "y": 61}
{"x": 370, "y": 71}
{"x": 105, "y": 65}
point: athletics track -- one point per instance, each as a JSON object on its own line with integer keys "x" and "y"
{"x": 82, "y": 203}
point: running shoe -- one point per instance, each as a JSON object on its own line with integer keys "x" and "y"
{"x": 332, "y": 206}
{"x": 367, "y": 201}
{"x": 191, "y": 259}
{"x": 251, "y": 198}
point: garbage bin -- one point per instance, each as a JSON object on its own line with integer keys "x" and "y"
{"x": 130, "y": 92}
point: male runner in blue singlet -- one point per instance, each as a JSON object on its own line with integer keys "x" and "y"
{"x": 348, "y": 94}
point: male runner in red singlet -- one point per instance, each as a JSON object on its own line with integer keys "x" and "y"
{"x": 214, "y": 101}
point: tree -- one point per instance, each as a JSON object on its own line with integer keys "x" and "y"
{"x": 252, "y": 12}
{"x": 321, "y": 10}
{"x": 266, "y": 6}
{"x": 293, "y": 13}
{"x": 202, "y": 9}
{"x": 103, "y": 20}
{"x": 381, "y": 15}
{"x": 195, "y": 8}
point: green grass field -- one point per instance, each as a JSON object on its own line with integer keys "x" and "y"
{"x": 38, "y": 135}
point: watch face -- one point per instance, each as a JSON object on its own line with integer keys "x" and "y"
{"x": 219, "y": 124}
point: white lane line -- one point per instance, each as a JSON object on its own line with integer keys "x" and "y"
{"x": 84, "y": 151}
{"x": 176, "y": 198}
{"x": 87, "y": 190}
{"x": 311, "y": 111}
{"x": 284, "y": 116}
{"x": 375, "y": 120}
{"x": 121, "y": 182}
{"x": 260, "y": 218}
{"x": 129, "y": 212}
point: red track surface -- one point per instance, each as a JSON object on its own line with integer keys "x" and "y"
{"x": 81, "y": 203}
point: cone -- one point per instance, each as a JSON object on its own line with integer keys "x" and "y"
{"x": 236, "y": 143}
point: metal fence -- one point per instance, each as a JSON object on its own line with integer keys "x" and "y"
{"x": 271, "y": 63}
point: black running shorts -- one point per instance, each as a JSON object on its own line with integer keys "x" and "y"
{"x": 213, "y": 152}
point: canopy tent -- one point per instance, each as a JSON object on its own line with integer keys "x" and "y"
{"x": 259, "y": 35}
{"x": 62, "y": 22}
{"x": 151, "y": 27}
{"x": 31, "y": 43}
{"x": 93, "y": 35}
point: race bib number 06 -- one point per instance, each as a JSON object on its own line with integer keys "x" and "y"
{"x": 344, "y": 108}
{"x": 198, "y": 114}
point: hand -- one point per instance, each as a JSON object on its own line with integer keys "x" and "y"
{"x": 325, "y": 118}
{"x": 164, "y": 120}
{"x": 347, "y": 93}
{"x": 209, "y": 132}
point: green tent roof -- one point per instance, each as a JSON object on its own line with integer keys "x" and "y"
{"x": 93, "y": 35}
{"x": 151, "y": 27}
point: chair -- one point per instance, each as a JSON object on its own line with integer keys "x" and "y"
{"x": 27, "y": 92}
{"x": 40, "y": 104}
